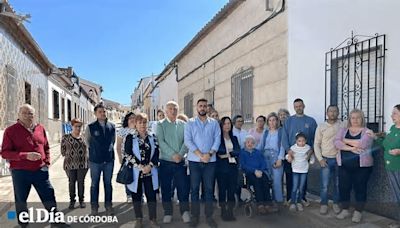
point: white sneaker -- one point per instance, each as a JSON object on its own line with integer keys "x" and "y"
{"x": 292, "y": 207}
{"x": 300, "y": 207}
{"x": 167, "y": 219}
{"x": 356, "y": 217}
{"x": 394, "y": 225}
{"x": 343, "y": 214}
{"x": 186, "y": 217}
{"x": 129, "y": 199}
{"x": 323, "y": 210}
{"x": 336, "y": 208}
{"x": 305, "y": 203}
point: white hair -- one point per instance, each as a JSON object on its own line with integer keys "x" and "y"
{"x": 172, "y": 103}
{"x": 250, "y": 137}
{"x": 26, "y": 106}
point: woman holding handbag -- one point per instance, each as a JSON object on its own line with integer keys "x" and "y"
{"x": 141, "y": 151}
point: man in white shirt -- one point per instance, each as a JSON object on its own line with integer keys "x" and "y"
{"x": 238, "y": 131}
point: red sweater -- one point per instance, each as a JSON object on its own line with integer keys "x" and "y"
{"x": 18, "y": 141}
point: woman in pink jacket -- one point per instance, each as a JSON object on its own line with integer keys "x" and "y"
{"x": 355, "y": 163}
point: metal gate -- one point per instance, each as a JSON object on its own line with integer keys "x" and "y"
{"x": 355, "y": 78}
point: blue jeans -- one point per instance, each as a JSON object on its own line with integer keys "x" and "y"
{"x": 202, "y": 173}
{"x": 327, "y": 173}
{"x": 277, "y": 174}
{"x": 22, "y": 183}
{"x": 171, "y": 172}
{"x": 95, "y": 172}
{"x": 299, "y": 181}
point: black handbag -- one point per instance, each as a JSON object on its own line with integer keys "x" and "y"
{"x": 125, "y": 174}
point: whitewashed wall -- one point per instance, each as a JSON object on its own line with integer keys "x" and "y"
{"x": 315, "y": 26}
{"x": 168, "y": 90}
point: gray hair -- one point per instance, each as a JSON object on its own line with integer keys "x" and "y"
{"x": 172, "y": 103}
{"x": 250, "y": 137}
{"x": 284, "y": 110}
{"x": 26, "y": 106}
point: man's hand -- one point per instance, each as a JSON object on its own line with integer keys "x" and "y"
{"x": 258, "y": 173}
{"x": 278, "y": 163}
{"x": 177, "y": 158}
{"x": 33, "y": 156}
{"x": 323, "y": 163}
{"x": 205, "y": 158}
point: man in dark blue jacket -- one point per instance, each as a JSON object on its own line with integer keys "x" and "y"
{"x": 100, "y": 138}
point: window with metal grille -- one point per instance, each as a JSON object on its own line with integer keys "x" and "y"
{"x": 242, "y": 94}
{"x": 69, "y": 110}
{"x": 11, "y": 95}
{"x": 27, "y": 93}
{"x": 56, "y": 105}
{"x": 209, "y": 95}
{"x": 354, "y": 77}
{"x": 188, "y": 105}
{"x": 75, "y": 111}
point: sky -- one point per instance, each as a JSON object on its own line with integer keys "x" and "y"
{"x": 115, "y": 42}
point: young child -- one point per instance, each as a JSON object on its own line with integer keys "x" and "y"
{"x": 253, "y": 164}
{"x": 300, "y": 162}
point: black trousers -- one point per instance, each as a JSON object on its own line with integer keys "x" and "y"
{"x": 227, "y": 185}
{"x": 262, "y": 188}
{"x": 74, "y": 176}
{"x": 147, "y": 184}
{"x": 353, "y": 178}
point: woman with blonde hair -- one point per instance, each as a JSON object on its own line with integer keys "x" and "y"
{"x": 355, "y": 163}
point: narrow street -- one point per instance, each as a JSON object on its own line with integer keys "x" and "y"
{"x": 125, "y": 215}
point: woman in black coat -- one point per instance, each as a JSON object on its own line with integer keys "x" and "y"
{"x": 227, "y": 169}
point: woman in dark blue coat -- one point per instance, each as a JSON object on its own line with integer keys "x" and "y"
{"x": 227, "y": 169}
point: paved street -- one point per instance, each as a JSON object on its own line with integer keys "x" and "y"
{"x": 124, "y": 212}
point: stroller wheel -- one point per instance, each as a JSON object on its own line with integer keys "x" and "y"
{"x": 248, "y": 210}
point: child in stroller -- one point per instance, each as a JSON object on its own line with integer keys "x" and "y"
{"x": 256, "y": 191}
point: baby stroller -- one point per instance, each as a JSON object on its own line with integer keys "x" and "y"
{"x": 249, "y": 198}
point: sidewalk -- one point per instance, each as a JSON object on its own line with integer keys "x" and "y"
{"x": 6, "y": 187}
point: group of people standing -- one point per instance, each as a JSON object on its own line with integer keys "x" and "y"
{"x": 190, "y": 155}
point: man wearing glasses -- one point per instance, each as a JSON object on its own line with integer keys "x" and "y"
{"x": 25, "y": 145}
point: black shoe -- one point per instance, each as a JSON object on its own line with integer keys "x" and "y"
{"x": 109, "y": 211}
{"x": 224, "y": 213}
{"x": 82, "y": 204}
{"x": 95, "y": 211}
{"x": 229, "y": 215}
{"x": 194, "y": 222}
{"x": 71, "y": 205}
{"x": 211, "y": 223}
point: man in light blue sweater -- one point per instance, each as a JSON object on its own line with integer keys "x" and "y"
{"x": 295, "y": 124}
